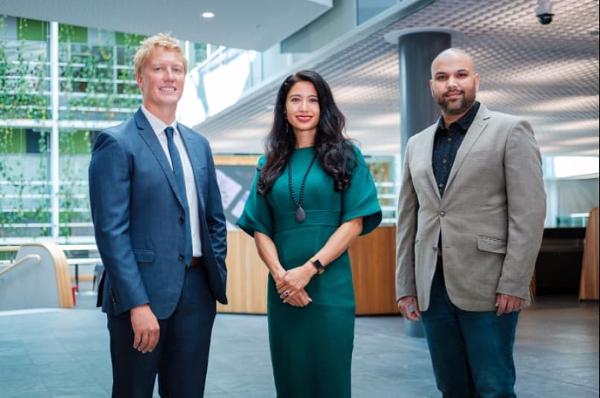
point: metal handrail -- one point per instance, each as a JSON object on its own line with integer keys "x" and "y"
{"x": 36, "y": 257}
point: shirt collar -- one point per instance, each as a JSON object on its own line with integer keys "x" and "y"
{"x": 465, "y": 121}
{"x": 157, "y": 125}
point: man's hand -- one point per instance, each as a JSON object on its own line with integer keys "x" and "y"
{"x": 145, "y": 328}
{"x": 505, "y": 304}
{"x": 409, "y": 308}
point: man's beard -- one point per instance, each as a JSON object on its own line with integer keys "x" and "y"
{"x": 457, "y": 106}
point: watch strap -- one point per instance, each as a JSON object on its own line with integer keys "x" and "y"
{"x": 317, "y": 264}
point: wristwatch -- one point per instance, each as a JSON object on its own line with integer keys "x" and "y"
{"x": 317, "y": 264}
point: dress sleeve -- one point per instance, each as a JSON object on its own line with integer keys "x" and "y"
{"x": 360, "y": 198}
{"x": 257, "y": 215}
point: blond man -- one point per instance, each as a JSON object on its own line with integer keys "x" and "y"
{"x": 161, "y": 233}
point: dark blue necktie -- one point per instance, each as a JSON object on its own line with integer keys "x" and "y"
{"x": 180, "y": 181}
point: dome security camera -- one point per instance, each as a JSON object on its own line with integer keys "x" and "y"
{"x": 544, "y": 12}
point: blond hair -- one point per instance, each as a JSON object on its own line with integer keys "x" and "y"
{"x": 163, "y": 40}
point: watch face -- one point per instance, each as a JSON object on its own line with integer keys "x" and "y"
{"x": 320, "y": 268}
{"x": 318, "y": 265}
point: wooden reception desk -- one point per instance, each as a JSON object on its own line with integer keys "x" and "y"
{"x": 373, "y": 269}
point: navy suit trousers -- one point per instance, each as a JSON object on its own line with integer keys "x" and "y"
{"x": 471, "y": 352}
{"x": 181, "y": 357}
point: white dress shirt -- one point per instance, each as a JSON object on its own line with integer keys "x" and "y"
{"x": 190, "y": 186}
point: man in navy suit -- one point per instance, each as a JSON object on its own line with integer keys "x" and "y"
{"x": 161, "y": 233}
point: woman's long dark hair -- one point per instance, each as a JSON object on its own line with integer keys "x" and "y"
{"x": 334, "y": 151}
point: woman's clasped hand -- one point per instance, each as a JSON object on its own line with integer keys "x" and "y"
{"x": 290, "y": 285}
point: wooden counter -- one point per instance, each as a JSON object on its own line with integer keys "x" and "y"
{"x": 373, "y": 269}
{"x": 246, "y": 276}
{"x": 589, "y": 288}
{"x": 373, "y": 260}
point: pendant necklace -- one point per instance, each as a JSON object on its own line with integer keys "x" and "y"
{"x": 300, "y": 213}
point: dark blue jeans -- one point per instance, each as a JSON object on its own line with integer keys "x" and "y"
{"x": 471, "y": 352}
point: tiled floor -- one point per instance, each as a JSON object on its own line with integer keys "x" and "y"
{"x": 64, "y": 353}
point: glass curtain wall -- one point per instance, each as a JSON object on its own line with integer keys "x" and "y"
{"x": 95, "y": 88}
{"x": 571, "y": 189}
{"x": 24, "y": 129}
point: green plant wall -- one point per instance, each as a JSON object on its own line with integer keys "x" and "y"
{"x": 94, "y": 80}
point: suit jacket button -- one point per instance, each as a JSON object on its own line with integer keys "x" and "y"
{"x": 181, "y": 220}
{"x": 442, "y": 213}
{"x": 180, "y": 257}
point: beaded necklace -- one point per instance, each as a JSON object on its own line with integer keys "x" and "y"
{"x": 300, "y": 213}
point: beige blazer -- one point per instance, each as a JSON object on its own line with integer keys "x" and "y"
{"x": 491, "y": 216}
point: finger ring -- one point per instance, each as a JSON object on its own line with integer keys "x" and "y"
{"x": 286, "y": 293}
{"x": 411, "y": 308}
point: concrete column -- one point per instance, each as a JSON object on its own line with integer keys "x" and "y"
{"x": 417, "y": 47}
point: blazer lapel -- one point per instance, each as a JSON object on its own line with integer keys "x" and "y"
{"x": 477, "y": 127}
{"x": 429, "y": 138}
{"x": 149, "y": 137}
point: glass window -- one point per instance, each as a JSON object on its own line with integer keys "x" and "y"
{"x": 36, "y": 141}
{"x": 382, "y": 170}
{"x": 31, "y": 29}
{"x": 74, "y": 216}
{"x": 571, "y": 189}
{"x": 128, "y": 39}
{"x": 200, "y": 53}
{"x": 574, "y": 166}
{"x": 72, "y": 33}
{"x": 24, "y": 183}
{"x": 367, "y": 9}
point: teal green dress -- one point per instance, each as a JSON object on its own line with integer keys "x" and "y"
{"x": 311, "y": 347}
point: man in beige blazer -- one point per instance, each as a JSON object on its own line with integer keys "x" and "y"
{"x": 470, "y": 222}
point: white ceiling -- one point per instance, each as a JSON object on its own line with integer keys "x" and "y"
{"x": 548, "y": 74}
{"x": 247, "y": 24}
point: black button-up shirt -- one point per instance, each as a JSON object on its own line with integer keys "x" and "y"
{"x": 446, "y": 144}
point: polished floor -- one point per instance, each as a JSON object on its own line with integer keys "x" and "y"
{"x": 64, "y": 353}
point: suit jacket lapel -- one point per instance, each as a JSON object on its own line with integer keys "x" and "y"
{"x": 429, "y": 137}
{"x": 149, "y": 137}
{"x": 477, "y": 127}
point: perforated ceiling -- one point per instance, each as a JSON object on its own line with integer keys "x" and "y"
{"x": 547, "y": 73}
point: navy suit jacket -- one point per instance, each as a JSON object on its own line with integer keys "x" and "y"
{"x": 138, "y": 220}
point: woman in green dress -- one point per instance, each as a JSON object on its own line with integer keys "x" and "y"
{"x": 312, "y": 196}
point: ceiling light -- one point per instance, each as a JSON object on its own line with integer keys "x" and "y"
{"x": 208, "y": 14}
